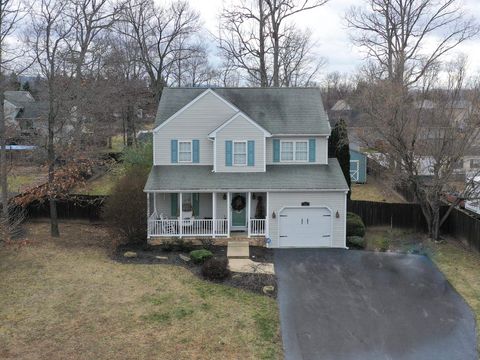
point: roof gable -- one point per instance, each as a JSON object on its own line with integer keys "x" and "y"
{"x": 280, "y": 111}
{"x": 233, "y": 118}
{"x": 189, "y": 104}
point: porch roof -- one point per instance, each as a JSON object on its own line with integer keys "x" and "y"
{"x": 172, "y": 178}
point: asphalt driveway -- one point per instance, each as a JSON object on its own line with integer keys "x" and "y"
{"x": 346, "y": 304}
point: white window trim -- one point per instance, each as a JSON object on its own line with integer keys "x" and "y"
{"x": 294, "y": 151}
{"x": 233, "y": 152}
{"x": 191, "y": 151}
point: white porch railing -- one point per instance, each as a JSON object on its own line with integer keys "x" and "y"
{"x": 257, "y": 227}
{"x": 189, "y": 227}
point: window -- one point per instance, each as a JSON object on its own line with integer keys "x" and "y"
{"x": 239, "y": 153}
{"x": 294, "y": 151}
{"x": 185, "y": 151}
{"x": 286, "y": 150}
{"x": 475, "y": 163}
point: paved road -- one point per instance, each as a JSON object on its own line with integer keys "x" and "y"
{"x": 355, "y": 305}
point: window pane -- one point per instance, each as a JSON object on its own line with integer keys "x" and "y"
{"x": 240, "y": 148}
{"x": 240, "y": 159}
{"x": 287, "y": 151}
{"x": 185, "y": 156}
{"x": 301, "y": 153}
{"x": 184, "y": 146}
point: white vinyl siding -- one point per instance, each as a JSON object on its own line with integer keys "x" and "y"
{"x": 196, "y": 122}
{"x": 321, "y": 150}
{"x": 333, "y": 200}
{"x": 240, "y": 129}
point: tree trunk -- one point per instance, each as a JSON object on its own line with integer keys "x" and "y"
{"x": 261, "y": 36}
{"x": 51, "y": 173}
{"x": 3, "y": 156}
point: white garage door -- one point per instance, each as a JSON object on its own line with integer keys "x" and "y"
{"x": 305, "y": 227}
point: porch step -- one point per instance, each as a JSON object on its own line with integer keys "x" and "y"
{"x": 238, "y": 250}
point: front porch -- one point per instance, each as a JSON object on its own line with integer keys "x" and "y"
{"x": 207, "y": 214}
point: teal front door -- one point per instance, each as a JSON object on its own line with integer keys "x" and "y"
{"x": 239, "y": 211}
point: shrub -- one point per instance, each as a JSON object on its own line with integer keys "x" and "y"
{"x": 356, "y": 242}
{"x": 124, "y": 210}
{"x": 355, "y": 226}
{"x": 167, "y": 245}
{"x": 183, "y": 245}
{"x": 384, "y": 244}
{"x": 199, "y": 256}
{"x": 216, "y": 269}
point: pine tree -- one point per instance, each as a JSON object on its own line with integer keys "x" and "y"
{"x": 338, "y": 147}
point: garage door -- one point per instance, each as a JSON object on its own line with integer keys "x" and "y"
{"x": 305, "y": 227}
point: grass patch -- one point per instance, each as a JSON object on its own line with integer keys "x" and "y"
{"x": 461, "y": 266}
{"x": 102, "y": 185}
{"x": 64, "y": 297}
{"x": 374, "y": 190}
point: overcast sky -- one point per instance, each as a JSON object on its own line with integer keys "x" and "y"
{"x": 329, "y": 30}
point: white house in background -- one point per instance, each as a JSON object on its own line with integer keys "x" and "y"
{"x": 252, "y": 161}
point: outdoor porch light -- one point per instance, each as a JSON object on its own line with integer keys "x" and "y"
{"x": 224, "y": 197}
{"x": 337, "y": 214}
{"x": 274, "y": 216}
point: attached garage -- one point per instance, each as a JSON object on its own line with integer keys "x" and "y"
{"x": 306, "y": 227}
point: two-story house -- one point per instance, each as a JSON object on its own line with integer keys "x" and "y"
{"x": 246, "y": 160}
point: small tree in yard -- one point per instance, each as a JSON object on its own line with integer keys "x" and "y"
{"x": 125, "y": 210}
{"x": 339, "y": 147}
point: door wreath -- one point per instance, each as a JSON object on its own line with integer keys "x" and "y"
{"x": 238, "y": 203}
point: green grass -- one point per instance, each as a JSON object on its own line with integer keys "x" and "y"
{"x": 18, "y": 182}
{"x": 65, "y": 297}
{"x": 102, "y": 185}
{"x": 461, "y": 266}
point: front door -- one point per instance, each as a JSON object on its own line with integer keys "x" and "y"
{"x": 238, "y": 208}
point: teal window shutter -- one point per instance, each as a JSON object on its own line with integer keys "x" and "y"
{"x": 174, "y": 151}
{"x": 251, "y": 153}
{"x": 196, "y": 151}
{"x": 174, "y": 204}
{"x": 196, "y": 204}
{"x": 311, "y": 150}
{"x": 228, "y": 153}
{"x": 276, "y": 150}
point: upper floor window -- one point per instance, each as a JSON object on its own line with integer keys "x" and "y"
{"x": 294, "y": 151}
{"x": 239, "y": 153}
{"x": 185, "y": 151}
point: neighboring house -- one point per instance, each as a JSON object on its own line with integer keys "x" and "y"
{"x": 358, "y": 166}
{"x": 247, "y": 160}
{"x": 25, "y": 116}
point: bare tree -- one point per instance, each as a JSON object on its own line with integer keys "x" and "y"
{"x": 421, "y": 135}
{"x": 11, "y": 13}
{"x": 257, "y": 38}
{"x": 51, "y": 40}
{"x": 156, "y": 30}
{"x": 397, "y": 34}
{"x": 280, "y": 11}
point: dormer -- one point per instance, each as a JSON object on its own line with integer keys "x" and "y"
{"x": 239, "y": 145}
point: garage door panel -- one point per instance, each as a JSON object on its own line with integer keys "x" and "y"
{"x": 305, "y": 227}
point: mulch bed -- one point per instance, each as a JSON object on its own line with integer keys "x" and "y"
{"x": 251, "y": 282}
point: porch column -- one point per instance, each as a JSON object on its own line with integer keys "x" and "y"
{"x": 228, "y": 213}
{"x": 248, "y": 213}
{"x": 214, "y": 213}
{"x": 154, "y": 202}
{"x": 180, "y": 222}
{"x": 267, "y": 217}
{"x": 148, "y": 215}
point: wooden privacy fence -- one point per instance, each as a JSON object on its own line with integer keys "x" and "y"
{"x": 395, "y": 215}
{"x": 459, "y": 223}
{"x": 74, "y": 207}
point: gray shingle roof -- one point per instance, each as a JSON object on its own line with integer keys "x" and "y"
{"x": 278, "y": 110}
{"x": 277, "y": 177}
{"x": 19, "y": 98}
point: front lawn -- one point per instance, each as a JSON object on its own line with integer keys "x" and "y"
{"x": 67, "y": 299}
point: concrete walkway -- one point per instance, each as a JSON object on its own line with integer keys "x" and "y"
{"x": 359, "y": 305}
{"x": 249, "y": 266}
